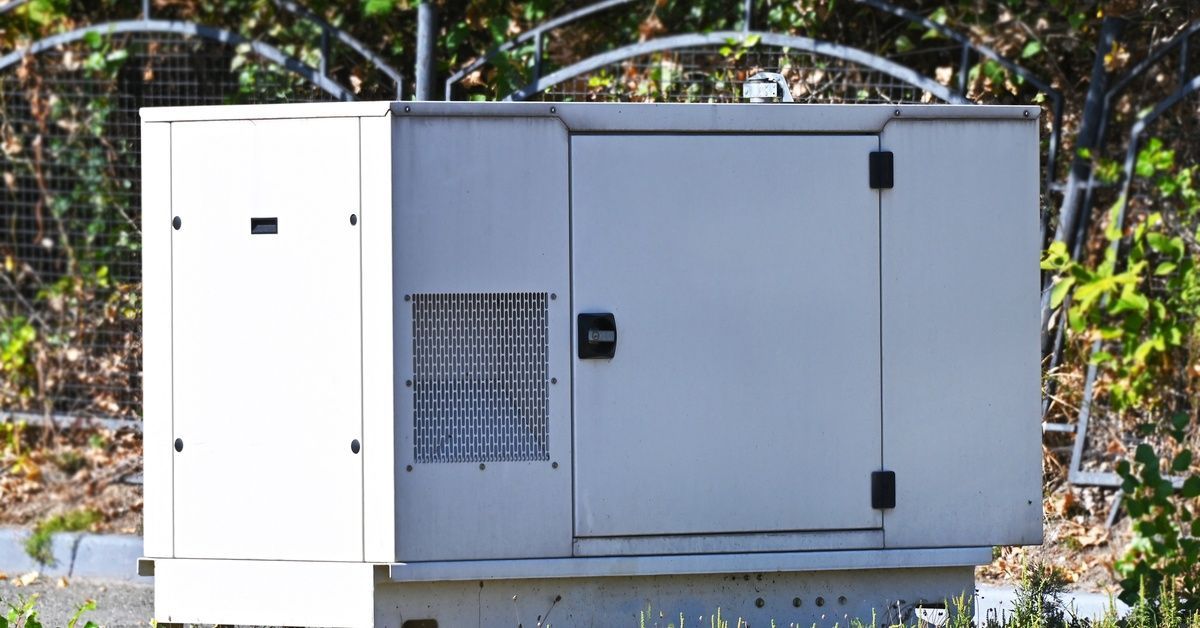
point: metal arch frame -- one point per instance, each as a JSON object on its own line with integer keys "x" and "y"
{"x": 350, "y": 41}
{"x": 692, "y": 40}
{"x": 1074, "y": 473}
{"x": 266, "y": 51}
{"x": 270, "y": 52}
{"x": 538, "y": 33}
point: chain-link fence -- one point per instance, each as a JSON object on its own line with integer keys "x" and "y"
{"x": 70, "y": 243}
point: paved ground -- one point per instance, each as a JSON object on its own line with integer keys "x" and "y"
{"x": 119, "y": 604}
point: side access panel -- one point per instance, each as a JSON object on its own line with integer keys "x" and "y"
{"x": 959, "y": 247}
{"x": 267, "y": 340}
{"x": 482, "y": 338}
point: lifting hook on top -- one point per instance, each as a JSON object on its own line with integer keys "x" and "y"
{"x": 766, "y": 87}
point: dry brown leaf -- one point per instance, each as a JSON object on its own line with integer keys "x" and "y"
{"x": 62, "y": 582}
{"x": 26, "y": 579}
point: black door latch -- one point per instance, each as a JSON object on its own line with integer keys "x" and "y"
{"x": 597, "y": 338}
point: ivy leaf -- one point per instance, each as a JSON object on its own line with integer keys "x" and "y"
{"x": 1031, "y": 49}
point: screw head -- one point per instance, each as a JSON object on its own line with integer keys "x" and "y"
{"x": 554, "y": 110}
{"x": 553, "y": 380}
{"x": 482, "y": 466}
{"x": 820, "y": 601}
{"x": 760, "y": 602}
{"x": 408, "y": 383}
{"x": 796, "y": 602}
{"x": 407, "y": 109}
{"x": 178, "y": 444}
{"x": 354, "y": 446}
{"x": 553, "y": 296}
{"x": 176, "y": 222}
{"x": 896, "y": 113}
{"x": 408, "y": 468}
{"x": 408, "y": 297}
{"x": 841, "y": 599}
{"x": 553, "y": 465}
{"x": 353, "y": 219}
{"x": 1026, "y": 113}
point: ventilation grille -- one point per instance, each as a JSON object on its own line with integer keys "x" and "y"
{"x": 480, "y": 377}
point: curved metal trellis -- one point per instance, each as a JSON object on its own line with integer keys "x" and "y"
{"x": 1187, "y": 87}
{"x": 804, "y": 44}
{"x": 538, "y": 35}
{"x": 266, "y": 51}
{"x": 318, "y": 76}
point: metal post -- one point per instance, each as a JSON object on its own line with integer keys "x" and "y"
{"x": 145, "y": 9}
{"x": 963, "y": 70}
{"x": 1093, "y": 111}
{"x": 748, "y": 12}
{"x": 426, "y": 38}
{"x": 537, "y": 57}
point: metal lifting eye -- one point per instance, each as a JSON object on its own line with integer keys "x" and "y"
{"x": 766, "y": 87}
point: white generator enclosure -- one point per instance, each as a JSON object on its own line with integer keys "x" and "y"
{"x": 446, "y": 364}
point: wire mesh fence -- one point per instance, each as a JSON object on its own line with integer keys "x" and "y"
{"x": 70, "y": 244}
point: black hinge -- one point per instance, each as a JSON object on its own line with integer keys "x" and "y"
{"x": 881, "y": 170}
{"x": 883, "y": 490}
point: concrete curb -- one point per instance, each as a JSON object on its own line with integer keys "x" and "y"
{"x": 106, "y": 556}
{"x": 996, "y": 603}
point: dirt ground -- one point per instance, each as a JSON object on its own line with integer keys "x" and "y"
{"x": 96, "y": 470}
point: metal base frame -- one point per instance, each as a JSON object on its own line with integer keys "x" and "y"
{"x": 297, "y": 593}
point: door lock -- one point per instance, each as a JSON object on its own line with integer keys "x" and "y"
{"x": 597, "y": 337}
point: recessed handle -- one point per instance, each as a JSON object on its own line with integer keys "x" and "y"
{"x": 260, "y": 226}
{"x": 597, "y": 336}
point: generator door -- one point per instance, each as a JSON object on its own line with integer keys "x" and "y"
{"x": 727, "y": 357}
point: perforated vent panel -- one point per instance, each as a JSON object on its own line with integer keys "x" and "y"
{"x": 481, "y": 383}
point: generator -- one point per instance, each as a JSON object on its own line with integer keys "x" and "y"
{"x": 420, "y": 364}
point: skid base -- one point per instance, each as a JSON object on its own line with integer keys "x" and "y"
{"x": 356, "y": 595}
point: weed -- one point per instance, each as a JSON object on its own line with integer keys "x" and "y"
{"x": 39, "y": 544}
{"x": 24, "y": 614}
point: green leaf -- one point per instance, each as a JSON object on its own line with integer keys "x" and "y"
{"x": 1145, "y": 455}
{"x": 373, "y": 8}
{"x": 1165, "y": 268}
{"x": 1031, "y": 49}
{"x": 1130, "y": 301}
{"x": 903, "y": 44}
{"x": 1061, "y": 290}
{"x": 1182, "y": 461}
{"x": 1191, "y": 487}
